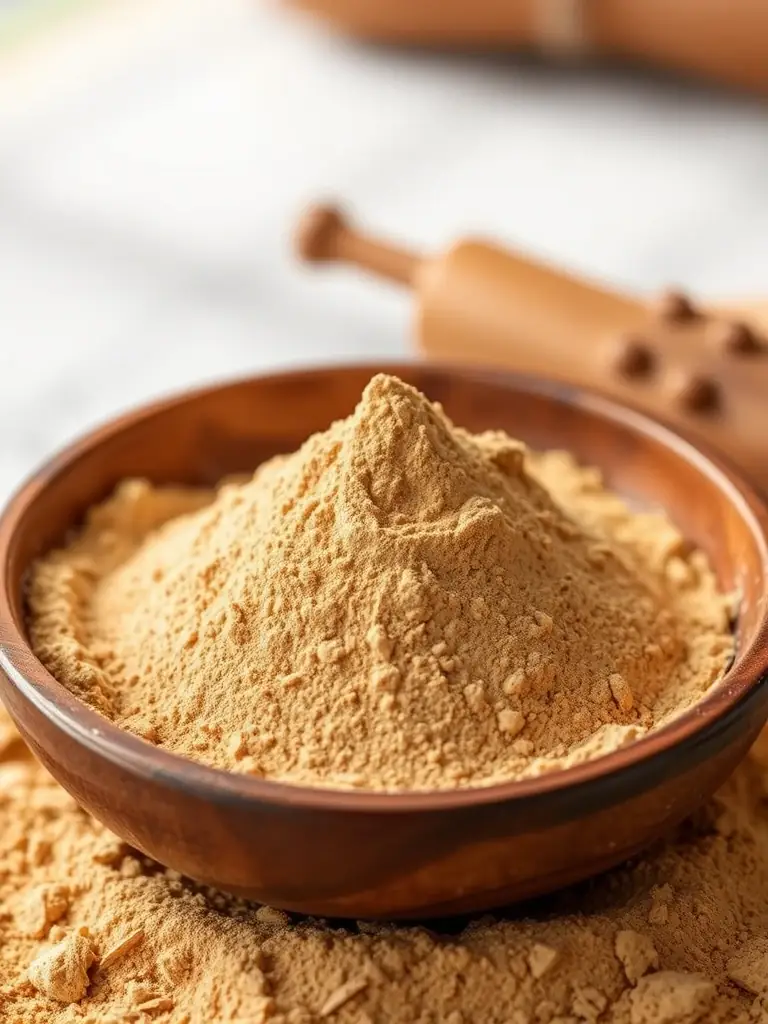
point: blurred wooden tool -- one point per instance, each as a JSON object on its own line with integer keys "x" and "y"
{"x": 703, "y": 370}
{"x": 722, "y": 39}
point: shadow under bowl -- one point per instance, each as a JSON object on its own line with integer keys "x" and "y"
{"x": 362, "y": 854}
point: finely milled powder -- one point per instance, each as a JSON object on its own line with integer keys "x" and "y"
{"x": 398, "y": 605}
{"x": 91, "y": 932}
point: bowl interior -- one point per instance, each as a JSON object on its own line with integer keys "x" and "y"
{"x": 202, "y": 436}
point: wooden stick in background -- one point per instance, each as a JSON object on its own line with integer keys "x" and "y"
{"x": 722, "y": 39}
{"x": 702, "y": 368}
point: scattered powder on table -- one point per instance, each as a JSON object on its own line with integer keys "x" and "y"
{"x": 400, "y": 604}
{"x": 93, "y": 933}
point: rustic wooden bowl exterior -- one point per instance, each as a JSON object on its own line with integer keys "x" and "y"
{"x": 366, "y": 854}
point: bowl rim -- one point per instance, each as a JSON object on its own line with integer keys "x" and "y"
{"x": 747, "y": 673}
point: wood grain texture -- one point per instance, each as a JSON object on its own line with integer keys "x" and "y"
{"x": 367, "y": 854}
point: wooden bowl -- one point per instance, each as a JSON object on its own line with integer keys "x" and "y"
{"x": 369, "y": 854}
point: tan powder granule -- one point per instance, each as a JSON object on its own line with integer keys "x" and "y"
{"x": 191, "y": 955}
{"x": 397, "y": 605}
{"x": 61, "y": 972}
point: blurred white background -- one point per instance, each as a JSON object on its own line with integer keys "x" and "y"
{"x": 154, "y": 154}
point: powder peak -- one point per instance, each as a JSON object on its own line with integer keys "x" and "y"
{"x": 407, "y": 458}
{"x": 402, "y": 455}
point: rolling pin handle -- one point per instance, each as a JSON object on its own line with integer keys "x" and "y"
{"x": 325, "y": 235}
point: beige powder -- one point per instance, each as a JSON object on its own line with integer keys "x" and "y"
{"x": 399, "y": 604}
{"x": 140, "y": 945}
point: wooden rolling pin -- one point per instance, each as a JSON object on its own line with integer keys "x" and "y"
{"x": 722, "y": 39}
{"x": 704, "y": 371}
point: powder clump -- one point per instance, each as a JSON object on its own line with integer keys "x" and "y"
{"x": 397, "y": 605}
{"x": 637, "y": 954}
{"x": 61, "y": 972}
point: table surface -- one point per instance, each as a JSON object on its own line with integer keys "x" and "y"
{"x": 153, "y": 156}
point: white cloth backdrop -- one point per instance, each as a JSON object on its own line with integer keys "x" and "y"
{"x": 153, "y": 155}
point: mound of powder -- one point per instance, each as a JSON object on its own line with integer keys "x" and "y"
{"x": 399, "y": 604}
{"x": 93, "y": 933}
